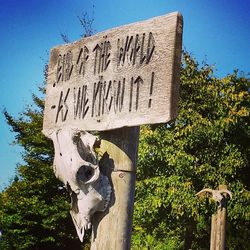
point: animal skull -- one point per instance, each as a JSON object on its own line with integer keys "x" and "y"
{"x": 76, "y": 165}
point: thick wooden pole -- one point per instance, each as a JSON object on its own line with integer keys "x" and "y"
{"x": 218, "y": 232}
{"x": 112, "y": 229}
{"x": 213, "y": 232}
{"x": 223, "y": 215}
{"x": 218, "y": 225}
{"x": 222, "y": 220}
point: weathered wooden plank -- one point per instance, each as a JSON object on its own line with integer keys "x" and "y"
{"x": 125, "y": 76}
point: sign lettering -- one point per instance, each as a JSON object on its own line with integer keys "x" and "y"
{"x": 127, "y": 76}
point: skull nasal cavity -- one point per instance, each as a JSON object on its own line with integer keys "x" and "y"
{"x": 85, "y": 173}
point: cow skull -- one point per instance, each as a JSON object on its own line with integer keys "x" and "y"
{"x": 76, "y": 165}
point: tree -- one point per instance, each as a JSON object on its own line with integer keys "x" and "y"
{"x": 207, "y": 145}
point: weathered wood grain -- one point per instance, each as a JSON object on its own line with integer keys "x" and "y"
{"x": 112, "y": 229}
{"x": 125, "y": 76}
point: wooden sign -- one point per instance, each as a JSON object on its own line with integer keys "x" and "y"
{"x": 125, "y": 76}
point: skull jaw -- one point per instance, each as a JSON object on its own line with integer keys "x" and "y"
{"x": 80, "y": 228}
{"x": 96, "y": 199}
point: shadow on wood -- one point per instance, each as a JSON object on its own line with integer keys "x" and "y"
{"x": 112, "y": 229}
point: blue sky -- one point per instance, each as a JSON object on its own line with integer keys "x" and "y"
{"x": 216, "y": 31}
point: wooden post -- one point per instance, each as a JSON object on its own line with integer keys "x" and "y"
{"x": 112, "y": 229}
{"x": 218, "y": 221}
{"x": 213, "y": 232}
{"x": 221, "y": 221}
{"x": 218, "y": 224}
{"x": 223, "y": 214}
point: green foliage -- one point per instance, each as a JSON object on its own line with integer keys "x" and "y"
{"x": 34, "y": 212}
{"x": 207, "y": 145}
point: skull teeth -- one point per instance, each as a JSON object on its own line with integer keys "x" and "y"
{"x": 81, "y": 233}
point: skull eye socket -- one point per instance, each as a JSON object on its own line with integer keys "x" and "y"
{"x": 85, "y": 173}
